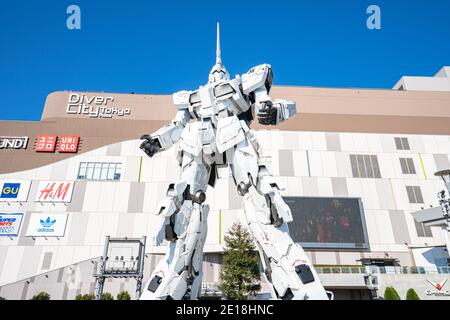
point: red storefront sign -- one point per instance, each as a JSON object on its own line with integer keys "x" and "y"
{"x": 45, "y": 143}
{"x": 68, "y": 144}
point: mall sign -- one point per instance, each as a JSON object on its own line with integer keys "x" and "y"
{"x": 14, "y": 190}
{"x": 47, "y": 225}
{"x": 13, "y": 142}
{"x": 10, "y": 224}
{"x": 94, "y": 106}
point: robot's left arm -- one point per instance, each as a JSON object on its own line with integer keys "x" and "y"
{"x": 258, "y": 82}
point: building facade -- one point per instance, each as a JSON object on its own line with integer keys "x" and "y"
{"x": 354, "y": 164}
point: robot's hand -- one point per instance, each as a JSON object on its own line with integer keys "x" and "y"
{"x": 267, "y": 114}
{"x": 150, "y": 145}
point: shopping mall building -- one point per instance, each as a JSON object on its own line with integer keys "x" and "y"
{"x": 354, "y": 164}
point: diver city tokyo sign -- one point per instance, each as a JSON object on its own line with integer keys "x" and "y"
{"x": 47, "y": 225}
{"x": 10, "y": 224}
{"x": 14, "y": 190}
{"x": 95, "y": 106}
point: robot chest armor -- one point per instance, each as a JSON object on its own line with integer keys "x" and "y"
{"x": 217, "y": 99}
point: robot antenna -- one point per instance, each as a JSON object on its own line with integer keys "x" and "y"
{"x": 218, "y": 51}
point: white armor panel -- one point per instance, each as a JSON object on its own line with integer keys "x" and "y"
{"x": 229, "y": 133}
{"x": 255, "y": 78}
{"x": 181, "y": 99}
{"x": 190, "y": 139}
{"x": 286, "y": 109}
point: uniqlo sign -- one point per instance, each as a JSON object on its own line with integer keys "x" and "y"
{"x": 45, "y": 143}
{"x": 68, "y": 144}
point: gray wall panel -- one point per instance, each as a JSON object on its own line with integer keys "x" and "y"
{"x": 59, "y": 170}
{"x": 286, "y": 163}
{"x": 339, "y": 187}
{"x": 23, "y": 239}
{"x": 333, "y": 141}
{"x": 77, "y": 197}
{"x": 234, "y": 199}
{"x": 441, "y": 161}
{"x": 125, "y": 225}
{"x": 388, "y": 143}
{"x": 3, "y": 253}
{"x": 78, "y": 227}
{"x": 398, "y": 221}
{"x": 29, "y": 266}
{"x": 136, "y": 197}
{"x": 113, "y": 150}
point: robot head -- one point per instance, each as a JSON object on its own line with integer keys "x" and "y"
{"x": 218, "y": 71}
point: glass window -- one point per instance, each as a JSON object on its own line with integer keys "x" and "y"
{"x": 82, "y": 171}
{"x": 414, "y": 194}
{"x": 365, "y": 166}
{"x": 111, "y": 169}
{"x": 118, "y": 171}
{"x": 422, "y": 230}
{"x": 407, "y": 165}
{"x": 402, "y": 143}
{"x": 89, "y": 170}
{"x": 99, "y": 171}
{"x": 104, "y": 172}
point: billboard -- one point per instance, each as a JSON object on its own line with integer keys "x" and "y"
{"x": 47, "y": 225}
{"x": 321, "y": 222}
{"x": 10, "y": 224}
{"x": 14, "y": 190}
{"x": 54, "y": 191}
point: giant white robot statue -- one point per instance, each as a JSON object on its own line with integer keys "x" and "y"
{"x": 212, "y": 129}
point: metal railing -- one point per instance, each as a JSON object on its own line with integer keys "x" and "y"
{"x": 382, "y": 270}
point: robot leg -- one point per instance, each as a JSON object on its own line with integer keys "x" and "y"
{"x": 183, "y": 224}
{"x": 286, "y": 266}
{"x": 180, "y": 271}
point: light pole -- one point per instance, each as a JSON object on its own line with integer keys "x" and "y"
{"x": 445, "y": 205}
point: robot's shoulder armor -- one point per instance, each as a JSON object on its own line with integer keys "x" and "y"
{"x": 181, "y": 99}
{"x": 257, "y": 77}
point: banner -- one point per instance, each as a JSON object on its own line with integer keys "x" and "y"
{"x": 47, "y": 225}
{"x": 10, "y": 224}
{"x": 14, "y": 190}
{"x": 54, "y": 191}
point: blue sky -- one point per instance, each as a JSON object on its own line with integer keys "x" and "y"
{"x": 166, "y": 46}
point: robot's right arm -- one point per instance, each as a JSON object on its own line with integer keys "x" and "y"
{"x": 167, "y": 136}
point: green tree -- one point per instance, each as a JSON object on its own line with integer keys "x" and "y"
{"x": 412, "y": 295}
{"x": 123, "y": 295}
{"x": 87, "y": 296}
{"x": 107, "y": 296}
{"x": 391, "y": 294}
{"x": 41, "y": 296}
{"x": 239, "y": 276}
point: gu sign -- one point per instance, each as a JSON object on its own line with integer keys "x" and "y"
{"x": 13, "y": 142}
{"x": 14, "y": 190}
{"x": 94, "y": 106}
{"x": 54, "y": 191}
{"x": 47, "y": 225}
